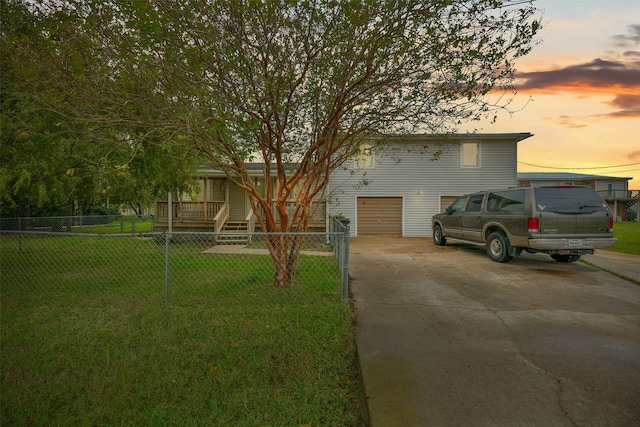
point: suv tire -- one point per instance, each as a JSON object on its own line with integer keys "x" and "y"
{"x": 438, "y": 238}
{"x": 498, "y": 247}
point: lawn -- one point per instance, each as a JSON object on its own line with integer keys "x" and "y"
{"x": 88, "y": 340}
{"x": 124, "y": 224}
{"x": 628, "y": 235}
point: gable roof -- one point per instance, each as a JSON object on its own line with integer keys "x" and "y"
{"x": 515, "y": 136}
{"x": 563, "y": 176}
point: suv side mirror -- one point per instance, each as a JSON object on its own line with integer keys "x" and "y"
{"x": 449, "y": 210}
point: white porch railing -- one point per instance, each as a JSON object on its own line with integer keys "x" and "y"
{"x": 221, "y": 217}
{"x": 203, "y": 212}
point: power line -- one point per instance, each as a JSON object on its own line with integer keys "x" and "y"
{"x": 588, "y": 167}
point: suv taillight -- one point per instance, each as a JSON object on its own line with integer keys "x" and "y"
{"x": 610, "y": 224}
{"x": 533, "y": 224}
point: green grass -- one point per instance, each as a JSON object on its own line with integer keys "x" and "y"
{"x": 628, "y": 235}
{"x": 131, "y": 224}
{"x": 88, "y": 340}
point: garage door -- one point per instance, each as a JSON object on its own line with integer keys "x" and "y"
{"x": 380, "y": 216}
{"x": 446, "y": 201}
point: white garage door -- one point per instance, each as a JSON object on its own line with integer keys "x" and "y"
{"x": 380, "y": 216}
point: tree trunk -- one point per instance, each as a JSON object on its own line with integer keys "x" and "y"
{"x": 285, "y": 251}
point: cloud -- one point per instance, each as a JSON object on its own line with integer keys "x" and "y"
{"x": 609, "y": 76}
{"x": 634, "y": 155}
{"x": 616, "y": 77}
{"x": 628, "y": 106}
{"x": 598, "y": 76}
{"x": 632, "y": 54}
{"x": 631, "y": 39}
{"x": 569, "y": 122}
{"x": 626, "y": 102}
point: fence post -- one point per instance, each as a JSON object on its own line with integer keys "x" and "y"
{"x": 166, "y": 250}
{"x": 345, "y": 267}
{"x": 20, "y": 234}
{"x": 167, "y": 243}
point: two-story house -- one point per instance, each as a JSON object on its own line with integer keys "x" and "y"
{"x": 392, "y": 189}
{"x": 395, "y": 191}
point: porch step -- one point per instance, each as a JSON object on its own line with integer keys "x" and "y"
{"x": 235, "y": 226}
{"x": 228, "y": 237}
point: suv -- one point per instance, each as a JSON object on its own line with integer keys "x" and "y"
{"x": 562, "y": 221}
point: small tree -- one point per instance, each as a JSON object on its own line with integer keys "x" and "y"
{"x": 297, "y": 85}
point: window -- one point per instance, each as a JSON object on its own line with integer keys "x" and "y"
{"x": 470, "y": 155}
{"x": 475, "y": 203}
{"x": 506, "y": 201}
{"x": 575, "y": 200}
{"x": 365, "y": 157}
{"x": 457, "y": 205}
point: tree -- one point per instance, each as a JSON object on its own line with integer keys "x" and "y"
{"x": 297, "y": 85}
{"x": 55, "y": 160}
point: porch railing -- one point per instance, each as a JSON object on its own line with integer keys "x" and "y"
{"x": 217, "y": 213}
{"x": 204, "y": 212}
{"x": 251, "y": 221}
{"x": 221, "y": 217}
{"x": 619, "y": 194}
{"x": 318, "y": 211}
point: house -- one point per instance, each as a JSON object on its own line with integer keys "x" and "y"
{"x": 391, "y": 189}
{"x": 219, "y": 204}
{"x": 614, "y": 190}
{"x": 396, "y": 190}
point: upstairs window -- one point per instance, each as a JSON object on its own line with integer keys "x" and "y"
{"x": 365, "y": 157}
{"x": 470, "y": 157}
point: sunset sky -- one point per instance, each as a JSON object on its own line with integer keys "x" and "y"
{"x": 580, "y": 91}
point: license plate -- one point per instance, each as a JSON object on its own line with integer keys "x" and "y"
{"x": 574, "y": 242}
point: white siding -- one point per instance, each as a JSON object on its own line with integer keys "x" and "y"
{"x": 409, "y": 172}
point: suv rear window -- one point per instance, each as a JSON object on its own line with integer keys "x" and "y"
{"x": 568, "y": 200}
{"x": 506, "y": 201}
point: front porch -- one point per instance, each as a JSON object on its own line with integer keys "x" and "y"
{"x": 214, "y": 216}
{"x": 192, "y": 216}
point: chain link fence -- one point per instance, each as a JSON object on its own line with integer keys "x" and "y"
{"x": 100, "y": 224}
{"x": 175, "y": 329}
{"x": 176, "y": 268}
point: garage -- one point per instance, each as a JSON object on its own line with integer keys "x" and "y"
{"x": 446, "y": 201}
{"x": 379, "y": 216}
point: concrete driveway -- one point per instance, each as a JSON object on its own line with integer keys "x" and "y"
{"x": 447, "y": 337}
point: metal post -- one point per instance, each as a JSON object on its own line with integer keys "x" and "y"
{"x": 345, "y": 267}
{"x": 167, "y": 242}
{"x": 170, "y": 211}
{"x": 166, "y": 248}
{"x": 20, "y": 234}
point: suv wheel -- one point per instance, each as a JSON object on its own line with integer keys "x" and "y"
{"x": 565, "y": 258}
{"x": 438, "y": 238}
{"x": 498, "y": 247}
